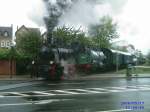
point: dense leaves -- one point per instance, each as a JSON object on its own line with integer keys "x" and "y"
{"x": 148, "y": 58}
{"x": 28, "y": 46}
{"x": 103, "y": 32}
{"x": 100, "y": 35}
{"x": 65, "y": 37}
{"x": 4, "y": 53}
{"x": 29, "y": 43}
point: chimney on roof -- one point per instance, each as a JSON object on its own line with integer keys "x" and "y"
{"x": 12, "y": 30}
{"x": 12, "y": 26}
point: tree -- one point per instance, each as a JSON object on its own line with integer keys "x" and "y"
{"x": 103, "y": 32}
{"x": 65, "y": 36}
{"x": 29, "y": 43}
{"x": 4, "y": 53}
{"x": 148, "y": 58}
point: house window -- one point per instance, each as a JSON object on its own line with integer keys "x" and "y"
{"x": 7, "y": 44}
{"x": 0, "y": 33}
{"x": 3, "y": 44}
{"x": 6, "y": 34}
{"x": 11, "y": 44}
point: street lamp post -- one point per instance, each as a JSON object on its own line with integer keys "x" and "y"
{"x": 11, "y": 60}
{"x": 117, "y": 63}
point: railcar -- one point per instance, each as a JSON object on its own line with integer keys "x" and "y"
{"x": 116, "y": 58}
{"x": 103, "y": 59}
{"x": 89, "y": 60}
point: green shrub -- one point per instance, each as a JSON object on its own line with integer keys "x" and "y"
{"x": 23, "y": 62}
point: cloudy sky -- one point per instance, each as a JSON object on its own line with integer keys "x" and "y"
{"x": 19, "y": 12}
{"x": 132, "y": 16}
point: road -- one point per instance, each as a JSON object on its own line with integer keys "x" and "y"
{"x": 101, "y": 95}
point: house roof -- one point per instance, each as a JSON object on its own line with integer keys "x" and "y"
{"x": 6, "y": 29}
{"x": 27, "y": 29}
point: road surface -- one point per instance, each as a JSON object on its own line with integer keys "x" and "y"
{"x": 101, "y": 95}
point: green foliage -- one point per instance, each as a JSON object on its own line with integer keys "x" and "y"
{"x": 83, "y": 40}
{"x": 148, "y": 58}
{"x": 11, "y": 53}
{"x": 66, "y": 36}
{"x": 63, "y": 36}
{"x": 29, "y": 43}
{"x": 4, "y": 53}
{"x": 28, "y": 46}
{"x": 103, "y": 32}
{"x": 23, "y": 64}
{"x": 22, "y": 61}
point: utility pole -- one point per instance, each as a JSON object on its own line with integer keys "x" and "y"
{"x": 11, "y": 61}
{"x": 117, "y": 63}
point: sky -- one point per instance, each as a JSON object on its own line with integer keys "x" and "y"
{"x": 132, "y": 17}
{"x": 134, "y": 23}
{"x": 21, "y": 12}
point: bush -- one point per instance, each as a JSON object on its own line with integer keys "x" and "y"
{"x": 23, "y": 62}
{"x": 4, "y": 53}
{"x": 23, "y": 66}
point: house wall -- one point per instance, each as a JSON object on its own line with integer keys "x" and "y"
{"x": 5, "y": 42}
{"x": 6, "y": 36}
{"x": 5, "y": 67}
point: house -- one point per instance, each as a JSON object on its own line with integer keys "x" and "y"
{"x": 24, "y": 29}
{"x": 6, "y": 36}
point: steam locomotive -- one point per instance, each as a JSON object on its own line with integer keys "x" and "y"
{"x": 85, "y": 59}
{"x": 49, "y": 66}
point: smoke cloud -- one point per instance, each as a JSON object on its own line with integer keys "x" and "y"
{"x": 85, "y": 12}
{"x": 132, "y": 17}
{"x": 81, "y": 12}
